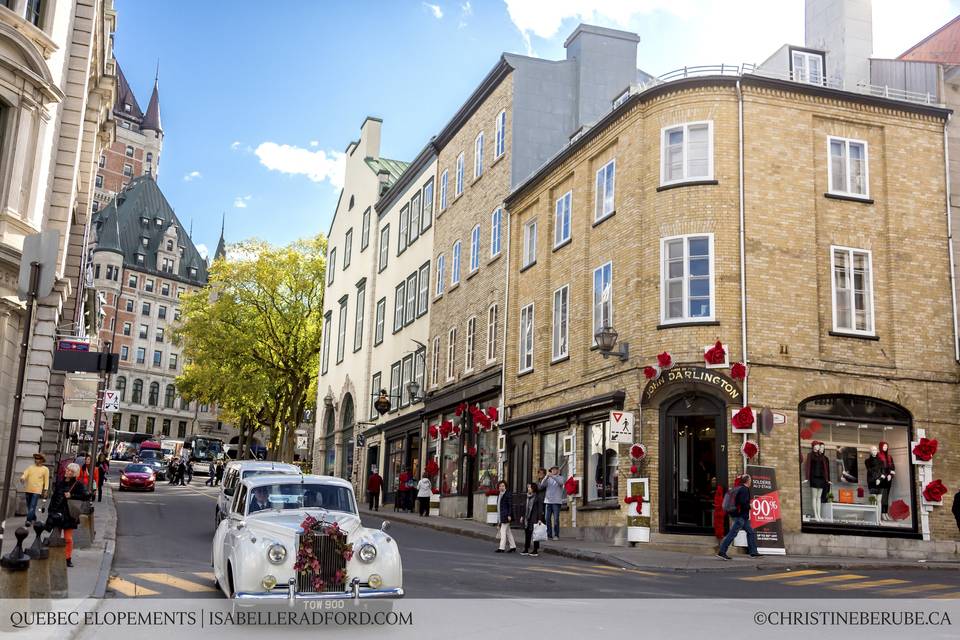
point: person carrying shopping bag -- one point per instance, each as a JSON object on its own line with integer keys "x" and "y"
{"x": 504, "y": 518}
{"x": 64, "y": 509}
{"x": 532, "y": 517}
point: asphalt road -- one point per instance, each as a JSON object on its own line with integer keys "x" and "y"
{"x": 163, "y": 550}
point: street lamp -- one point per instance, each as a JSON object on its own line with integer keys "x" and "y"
{"x": 606, "y": 339}
{"x": 413, "y": 390}
{"x": 328, "y": 400}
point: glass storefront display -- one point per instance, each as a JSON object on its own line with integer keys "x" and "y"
{"x": 486, "y": 460}
{"x": 394, "y": 465}
{"x": 602, "y": 473}
{"x": 855, "y": 464}
{"x": 450, "y": 466}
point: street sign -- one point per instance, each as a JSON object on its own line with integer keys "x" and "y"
{"x": 302, "y": 442}
{"x": 111, "y": 401}
{"x": 621, "y": 427}
{"x": 42, "y": 248}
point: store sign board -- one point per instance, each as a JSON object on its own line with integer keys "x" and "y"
{"x": 724, "y": 385}
{"x": 765, "y": 515}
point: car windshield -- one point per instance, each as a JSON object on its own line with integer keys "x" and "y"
{"x": 249, "y": 473}
{"x": 138, "y": 468}
{"x": 149, "y": 454}
{"x": 298, "y": 495}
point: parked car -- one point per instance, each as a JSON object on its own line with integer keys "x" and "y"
{"x": 236, "y": 471}
{"x": 138, "y": 477}
{"x": 256, "y": 546}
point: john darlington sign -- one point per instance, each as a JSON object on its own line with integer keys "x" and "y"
{"x": 694, "y": 375}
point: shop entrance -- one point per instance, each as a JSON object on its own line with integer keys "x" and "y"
{"x": 693, "y": 437}
{"x": 518, "y": 468}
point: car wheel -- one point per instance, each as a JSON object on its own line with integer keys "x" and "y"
{"x": 229, "y": 581}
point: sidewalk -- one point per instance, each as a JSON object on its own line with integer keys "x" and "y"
{"x": 648, "y": 557}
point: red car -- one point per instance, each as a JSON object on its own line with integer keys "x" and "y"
{"x": 138, "y": 477}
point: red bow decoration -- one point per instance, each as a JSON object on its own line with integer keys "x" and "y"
{"x": 650, "y": 373}
{"x": 492, "y": 413}
{"x": 899, "y": 510}
{"x": 738, "y": 371}
{"x": 934, "y": 491}
{"x": 925, "y": 449}
{"x": 433, "y": 431}
{"x": 749, "y": 449}
{"x": 743, "y": 419}
{"x": 638, "y": 499}
{"x": 638, "y": 451}
{"x": 572, "y": 486}
{"x": 431, "y": 467}
{"x": 715, "y": 354}
{"x": 664, "y": 360}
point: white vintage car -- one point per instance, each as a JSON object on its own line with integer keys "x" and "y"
{"x": 299, "y": 537}
{"x": 237, "y": 470}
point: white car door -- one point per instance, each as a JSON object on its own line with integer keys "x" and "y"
{"x": 225, "y": 539}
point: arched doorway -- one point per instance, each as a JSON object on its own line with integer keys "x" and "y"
{"x": 329, "y": 443}
{"x": 346, "y": 438}
{"x": 693, "y": 460}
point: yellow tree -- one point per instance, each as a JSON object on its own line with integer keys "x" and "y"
{"x": 251, "y": 339}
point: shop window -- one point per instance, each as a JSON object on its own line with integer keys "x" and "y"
{"x": 855, "y": 470}
{"x": 551, "y": 450}
{"x": 450, "y": 466}
{"x": 602, "y": 475}
{"x": 487, "y": 460}
{"x": 394, "y": 464}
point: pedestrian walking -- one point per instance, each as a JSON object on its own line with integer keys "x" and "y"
{"x": 181, "y": 474}
{"x": 186, "y": 470}
{"x": 172, "y": 470}
{"x": 219, "y": 479}
{"x": 532, "y": 515}
{"x": 374, "y": 487}
{"x": 103, "y": 470}
{"x": 504, "y": 518}
{"x": 740, "y": 513}
{"x": 36, "y": 484}
{"x": 64, "y": 510}
{"x": 400, "y": 504}
{"x": 956, "y": 508}
{"x": 552, "y": 485}
{"x": 424, "y": 491}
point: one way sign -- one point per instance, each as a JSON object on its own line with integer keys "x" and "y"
{"x": 621, "y": 427}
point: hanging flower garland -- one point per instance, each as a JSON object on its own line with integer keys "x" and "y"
{"x": 934, "y": 491}
{"x": 433, "y": 431}
{"x": 925, "y": 449}
{"x": 472, "y": 451}
{"x": 664, "y": 360}
{"x": 749, "y": 449}
{"x": 806, "y": 434}
{"x": 638, "y": 452}
{"x": 431, "y": 468}
{"x": 493, "y": 414}
{"x": 308, "y": 561}
{"x": 572, "y": 486}
{"x": 651, "y": 373}
{"x": 738, "y": 371}
{"x": 715, "y": 354}
{"x": 743, "y": 419}
{"x": 446, "y": 428}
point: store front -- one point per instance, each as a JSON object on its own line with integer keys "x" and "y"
{"x": 401, "y": 460}
{"x": 856, "y": 475}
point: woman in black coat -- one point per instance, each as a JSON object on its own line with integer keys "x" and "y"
{"x": 532, "y": 514}
{"x": 58, "y": 511}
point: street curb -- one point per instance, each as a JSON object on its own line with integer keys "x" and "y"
{"x": 106, "y": 562}
{"x": 593, "y": 556}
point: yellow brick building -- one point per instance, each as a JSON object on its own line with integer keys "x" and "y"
{"x": 818, "y": 215}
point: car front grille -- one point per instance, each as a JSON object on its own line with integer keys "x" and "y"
{"x": 325, "y": 549}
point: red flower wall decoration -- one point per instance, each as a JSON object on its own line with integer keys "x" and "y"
{"x": 472, "y": 451}
{"x": 715, "y": 354}
{"x": 459, "y": 410}
{"x": 749, "y": 449}
{"x": 934, "y": 491}
{"x": 650, "y": 373}
{"x": 664, "y": 360}
{"x": 815, "y": 426}
{"x": 572, "y": 486}
{"x": 638, "y": 451}
{"x": 743, "y": 419}
{"x": 633, "y": 468}
{"x": 433, "y": 431}
{"x": 446, "y": 427}
{"x": 806, "y": 434}
{"x": 431, "y": 467}
{"x": 738, "y": 371}
{"x": 899, "y": 510}
{"x": 925, "y": 449}
{"x": 493, "y": 414}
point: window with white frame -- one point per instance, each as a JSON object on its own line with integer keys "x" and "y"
{"x": 404, "y": 223}
{"x": 459, "y": 176}
{"x": 852, "y": 290}
{"x": 602, "y": 299}
{"x": 435, "y": 362}
{"x": 411, "y": 312}
{"x": 331, "y": 266}
{"x": 342, "y": 329}
{"x": 687, "y": 153}
{"x": 451, "y": 351}
{"x": 478, "y": 156}
{"x": 526, "y": 338}
{"x": 399, "y": 302}
{"x": 605, "y": 187}
{"x": 426, "y": 218}
{"x": 561, "y": 220}
{"x": 687, "y": 278}
{"x": 529, "y": 255}
{"x": 500, "y": 144}
{"x": 455, "y": 264}
{"x": 492, "y": 333}
{"x": 415, "y": 212}
{"x": 365, "y": 230}
{"x": 443, "y": 190}
{"x": 358, "y": 321}
{"x": 496, "y": 223}
{"x": 423, "y": 292}
{"x": 374, "y": 392}
{"x": 380, "y": 319}
{"x": 384, "y": 247}
{"x": 406, "y": 375}
{"x": 807, "y": 66}
{"x": 394, "y": 386}
{"x": 471, "y": 336}
{"x": 848, "y": 167}
{"x": 561, "y": 325}
{"x": 475, "y": 249}
{"x": 347, "y": 248}
{"x": 441, "y": 273}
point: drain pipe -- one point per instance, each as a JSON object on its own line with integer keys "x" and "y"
{"x": 505, "y": 249}
{"x": 953, "y": 277}
{"x": 743, "y": 274}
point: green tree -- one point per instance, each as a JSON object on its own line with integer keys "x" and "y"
{"x": 251, "y": 339}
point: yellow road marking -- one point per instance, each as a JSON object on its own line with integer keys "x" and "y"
{"x": 917, "y": 588}
{"x": 565, "y": 573}
{"x": 205, "y": 574}
{"x": 824, "y": 579}
{"x": 868, "y": 585}
{"x": 175, "y": 582}
{"x": 783, "y": 576}
{"x": 604, "y": 567}
{"x": 129, "y": 589}
{"x": 947, "y": 596}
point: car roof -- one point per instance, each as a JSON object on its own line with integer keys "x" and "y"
{"x": 262, "y": 465}
{"x": 256, "y": 481}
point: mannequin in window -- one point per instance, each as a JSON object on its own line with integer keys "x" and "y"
{"x": 888, "y": 471}
{"x": 874, "y": 472}
{"x": 816, "y": 470}
{"x": 843, "y": 473}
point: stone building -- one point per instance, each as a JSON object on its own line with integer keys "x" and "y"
{"x": 742, "y": 215}
{"x": 56, "y": 88}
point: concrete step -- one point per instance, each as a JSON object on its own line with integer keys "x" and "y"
{"x": 693, "y": 544}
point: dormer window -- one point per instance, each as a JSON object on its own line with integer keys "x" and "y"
{"x": 158, "y": 221}
{"x": 144, "y": 240}
{"x": 127, "y": 108}
{"x": 140, "y": 258}
{"x": 169, "y": 245}
{"x": 144, "y": 220}
{"x": 193, "y": 272}
{"x": 181, "y": 252}
{"x": 807, "y": 66}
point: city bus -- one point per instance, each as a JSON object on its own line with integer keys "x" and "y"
{"x": 124, "y": 444}
{"x": 203, "y": 451}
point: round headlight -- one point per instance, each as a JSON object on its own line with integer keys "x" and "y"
{"x": 276, "y": 553}
{"x": 375, "y": 581}
{"x": 268, "y": 582}
{"x": 367, "y": 553}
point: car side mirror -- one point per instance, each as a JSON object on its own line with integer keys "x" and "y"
{"x": 384, "y": 525}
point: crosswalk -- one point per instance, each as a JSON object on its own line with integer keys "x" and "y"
{"x": 143, "y": 584}
{"x": 858, "y": 583}
{"x": 598, "y": 570}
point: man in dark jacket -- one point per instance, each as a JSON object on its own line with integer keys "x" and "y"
{"x": 504, "y": 517}
{"x": 741, "y": 520}
{"x": 956, "y": 508}
{"x": 374, "y": 486}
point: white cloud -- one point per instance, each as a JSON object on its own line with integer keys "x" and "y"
{"x": 314, "y": 143}
{"x": 240, "y": 202}
{"x": 235, "y": 145}
{"x": 318, "y": 166}
{"x": 435, "y": 9}
{"x": 203, "y": 251}
{"x": 466, "y": 10}
{"x": 193, "y": 175}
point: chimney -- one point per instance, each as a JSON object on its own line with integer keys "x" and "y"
{"x": 606, "y": 64}
{"x": 843, "y": 30}
{"x": 370, "y": 137}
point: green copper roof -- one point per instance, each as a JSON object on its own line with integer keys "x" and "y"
{"x": 393, "y": 167}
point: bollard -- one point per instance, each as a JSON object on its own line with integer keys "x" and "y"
{"x": 57, "y": 565}
{"x": 14, "y": 580}
{"x": 38, "y": 550}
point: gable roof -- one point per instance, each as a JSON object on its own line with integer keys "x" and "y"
{"x": 393, "y": 167}
{"x": 125, "y": 96}
{"x": 943, "y": 45}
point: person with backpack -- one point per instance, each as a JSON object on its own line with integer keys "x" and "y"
{"x": 736, "y": 504}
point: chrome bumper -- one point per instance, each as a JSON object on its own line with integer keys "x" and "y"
{"x": 290, "y": 594}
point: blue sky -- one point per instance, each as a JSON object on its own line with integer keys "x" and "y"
{"x": 257, "y": 99}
